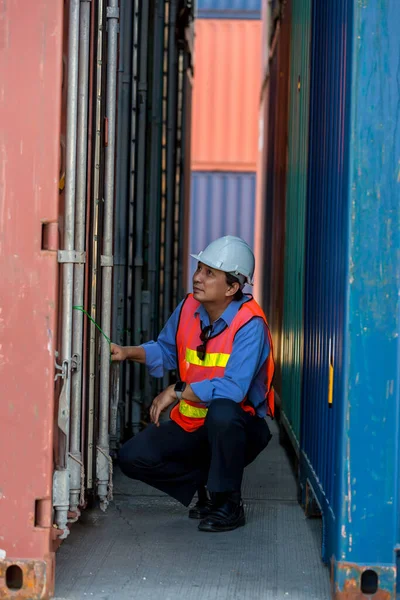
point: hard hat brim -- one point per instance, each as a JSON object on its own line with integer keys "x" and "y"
{"x": 209, "y": 263}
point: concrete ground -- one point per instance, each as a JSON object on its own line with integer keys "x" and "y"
{"x": 145, "y": 547}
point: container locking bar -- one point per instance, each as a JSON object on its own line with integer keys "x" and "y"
{"x": 106, "y": 261}
{"x": 112, "y": 12}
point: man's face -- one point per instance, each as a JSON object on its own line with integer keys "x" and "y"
{"x": 209, "y": 285}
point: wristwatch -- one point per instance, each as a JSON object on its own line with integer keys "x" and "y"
{"x": 179, "y": 389}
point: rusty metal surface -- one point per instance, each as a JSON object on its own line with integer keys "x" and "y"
{"x": 225, "y": 95}
{"x": 347, "y": 583}
{"x": 30, "y": 66}
{"x": 37, "y": 578}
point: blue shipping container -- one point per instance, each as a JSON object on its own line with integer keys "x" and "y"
{"x": 326, "y": 246}
{"x": 221, "y": 204}
{"x": 229, "y": 9}
{"x": 350, "y": 445}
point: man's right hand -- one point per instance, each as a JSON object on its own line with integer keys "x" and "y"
{"x": 118, "y": 353}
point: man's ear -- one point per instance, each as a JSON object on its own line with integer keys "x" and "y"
{"x": 232, "y": 289}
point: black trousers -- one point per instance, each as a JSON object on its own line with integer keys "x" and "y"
{"x": 177, "y": 462}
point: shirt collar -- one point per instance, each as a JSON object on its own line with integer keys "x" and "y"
{"x": 227, "y": 316}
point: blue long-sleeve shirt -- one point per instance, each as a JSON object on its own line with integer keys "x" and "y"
{"x": 245, "y": 370}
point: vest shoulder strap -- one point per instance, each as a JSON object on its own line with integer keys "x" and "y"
{"x": 190, "y": 305}
{"x": 248, "y": 311}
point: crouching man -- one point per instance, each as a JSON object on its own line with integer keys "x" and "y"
{"x": 219, "y": 342}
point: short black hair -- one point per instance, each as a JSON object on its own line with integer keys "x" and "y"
{"x": 230, "y": 280}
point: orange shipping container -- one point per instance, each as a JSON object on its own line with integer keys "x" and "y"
{"x": 226, "y": 95}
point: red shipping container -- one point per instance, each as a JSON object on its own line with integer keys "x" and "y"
{"x": 30, "y": 106}
{"x": 226, "y": 95}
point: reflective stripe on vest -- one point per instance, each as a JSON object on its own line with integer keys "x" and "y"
{"x": 217, "y": 359}
{"x": 191, "y": 411}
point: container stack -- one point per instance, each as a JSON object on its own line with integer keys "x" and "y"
{"x": 227, "y": 79}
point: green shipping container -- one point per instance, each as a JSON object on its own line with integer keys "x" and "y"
{"x": 292, "y": 339}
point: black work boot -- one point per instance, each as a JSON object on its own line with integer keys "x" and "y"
{"x": 203, "y": 505}
{"x": 225, "y": 516}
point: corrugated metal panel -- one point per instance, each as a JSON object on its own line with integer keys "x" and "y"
{"x": 157, "y": 177}
{"x": 229, "y": 9}
{"x": 30, "y": 59}
{"x": 270, "y": 218}
{"x": 221, "y": 204}
{"x": 351, "y": 450}
{"x": 292, "y": 352}
{"x": 262, "y": 154}
{"x": 327, "y": 207}
{"x": 226, "y": 95}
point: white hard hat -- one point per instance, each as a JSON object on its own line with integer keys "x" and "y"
{"x": 229, "y": 254}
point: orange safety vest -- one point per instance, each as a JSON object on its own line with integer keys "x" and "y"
{"x": 191, "y": 415}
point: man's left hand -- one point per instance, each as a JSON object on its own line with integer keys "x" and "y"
{"x": 161, "y": 403}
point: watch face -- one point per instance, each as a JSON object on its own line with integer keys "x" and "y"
{"x": 180, "y": 386}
